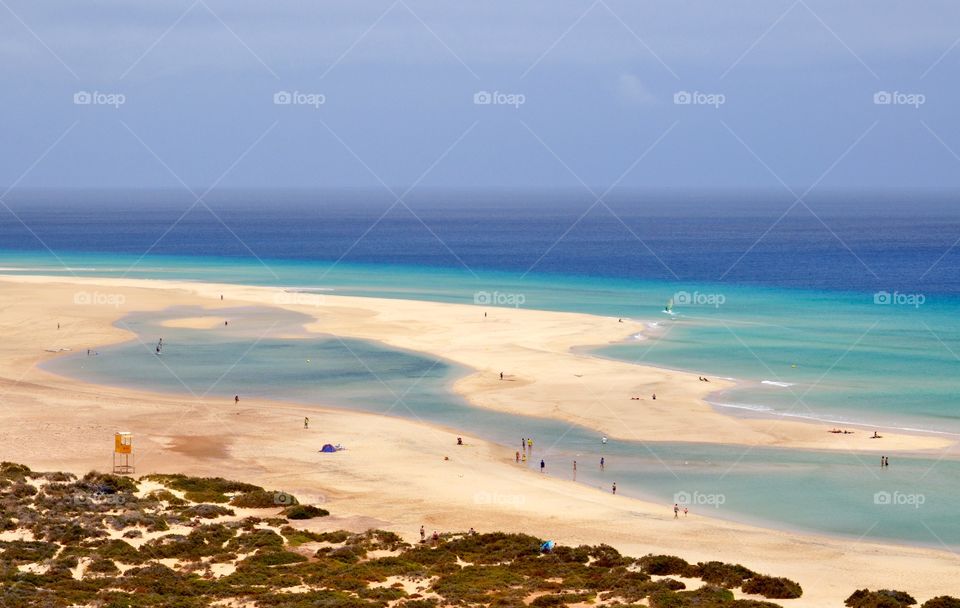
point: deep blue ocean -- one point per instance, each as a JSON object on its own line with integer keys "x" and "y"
{"x": 842, "y": 242}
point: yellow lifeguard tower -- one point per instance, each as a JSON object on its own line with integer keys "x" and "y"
{"x": 123, "y": 453}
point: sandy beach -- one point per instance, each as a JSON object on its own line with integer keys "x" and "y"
{"x": 395, "y": 473}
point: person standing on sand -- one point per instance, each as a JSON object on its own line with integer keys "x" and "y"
{"x": 684, "y": 511}
{"x": 602, "y": 462}
{"x": 306, "y": 422}
{"x": 518, "y": 456}
{"x": 423, "y": 534}
{"x": 530, "y": 442}
{"x": 676, "y": 511}
{"x": 574, "y": 467}
{"x": 523, "y": 457}
{"x": 543, "y": 465}
{"x": 654, "y": 396}
{"x": 236, "y": 399}
{"x": 614, "y": 488}
{"x": 501, "y": 375}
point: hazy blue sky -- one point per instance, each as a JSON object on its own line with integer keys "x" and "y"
{"x": 792, "y": 86}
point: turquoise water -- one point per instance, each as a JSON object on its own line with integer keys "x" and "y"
{"x": 832, "y": 493}
{"x": 832, "y": 356}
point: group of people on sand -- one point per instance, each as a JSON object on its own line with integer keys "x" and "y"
{"x": 676, "y": 510}
{"x": 702, "y": 379}
{"x": 435, "y": 537}
{"x": 653, "y": 396}
{"x": 527, "y": 444}
{"x": 843, "y": 432}
{"x": 884, "y": 461}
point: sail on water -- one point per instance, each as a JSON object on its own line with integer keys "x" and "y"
{"x": 668, "y": 309}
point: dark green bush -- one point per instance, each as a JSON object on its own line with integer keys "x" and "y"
{"x": 942, "y": 601}
{"x": 777, "y": 588}
{"x": 304, "y": 512}
{"x": 665, "y": 565}
{"x": 884, "y": 598}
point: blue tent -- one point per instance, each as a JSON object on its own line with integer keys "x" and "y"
{"x": 546, "y": 547}
{"x": 327, "y": 448}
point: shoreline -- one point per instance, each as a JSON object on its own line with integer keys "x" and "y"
{"x": 613, "y": 419}
{"x": 393, "y": 473}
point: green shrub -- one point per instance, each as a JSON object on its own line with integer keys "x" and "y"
{"x": 262, "y": 499}
{"x": 942, "y": 601}
{"x": 664, "y": 565}
{"x": 304, "y": 512}
{"x": 777, "y": 588}
{"x": 724, "y": 575}
{"x": 884, "y": 598}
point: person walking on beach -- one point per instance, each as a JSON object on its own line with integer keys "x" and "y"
{"x": 306, "y": 422}
{"x": 543, "y": 465}
{"x": 602, "y": 462}
{"x": 423, "y": 534}
{"x": 530, "y": 442}
{"x": 236, "y": 399}
{"x": 614, "y": 488}
{"x": 501, "y": 375}
{"x": 676, "y": 511}
{"x": 518, "y": 455}
{"x": 574, "y": 467}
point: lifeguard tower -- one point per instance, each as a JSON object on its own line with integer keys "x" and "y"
{"x": 123, "y": 453}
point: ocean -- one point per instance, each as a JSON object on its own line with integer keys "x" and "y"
{"x": 842, "y": 308}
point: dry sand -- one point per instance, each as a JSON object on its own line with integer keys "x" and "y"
{"x": 394, "y": 473}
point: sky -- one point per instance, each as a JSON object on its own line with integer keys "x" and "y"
{"x": 598, "y": 96}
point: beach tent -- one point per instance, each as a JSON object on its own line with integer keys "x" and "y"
{"x": 546, "y": 547}
{"x": 327, "y": 448}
